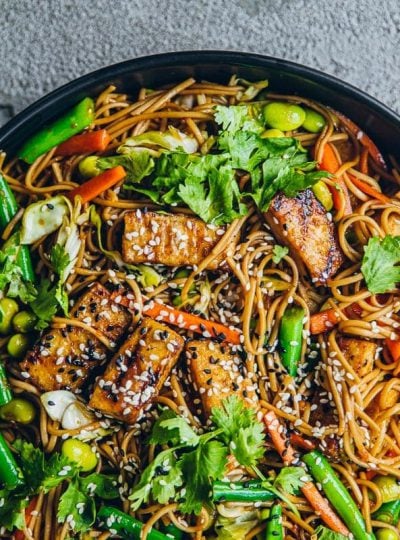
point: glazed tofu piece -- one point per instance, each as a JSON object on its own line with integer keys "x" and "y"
{"x": 64, "y": 358}
{"x": 169, "y": 239}
{"x": 360, "y": 354}
{"x": 302, "y": 224}
{"x": 138, "y": 371}
{"x": 216, "y": 373}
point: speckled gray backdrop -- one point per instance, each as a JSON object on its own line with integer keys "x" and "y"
{"x": 45, "y": 43}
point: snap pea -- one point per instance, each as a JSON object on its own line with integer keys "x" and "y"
{"x": 126, "y": 526}
{"x": 10, "y": 474}
{"x": 274, "y": 530}
{"x": 388, "y": 486}
{"x": 18, "y": 410}
{"x": 337, "y": 494}
{"x": 8, "y": 204}
{"x": 313, "y": 122}
{"x": 17, "y": 345}
{"x": 5, "y": 390}
{"x": 71, "y": 123}
{"x": 23, "y": 256}
{"x": 24, "y": 321}
{"x": 249, "y": 491}
{"x": 173, "y": 532}
{"x": 283, "y": 116}
{"x": 291, "y": 337}
{"x": 388, "y": 512}
{"x": 8, "y": 309}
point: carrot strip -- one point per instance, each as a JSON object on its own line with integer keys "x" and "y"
{"x": 364, "y": 161}
{"x": 20, "y": 535}
{"x": 299, "y": 441}
{"x": 324, "y": 320}
{"x": 97, "y": 185}
{"x": 323, "y": 508}
{"x": 363, "y": 138}
{"x": 369, "y": 190}
{"x": 90, "y": 141}
{"x": 394, "y": 348}
{"x": 279, "y": 440}
{"x": 211, "y": 329}
{"x": 330, "y": 163}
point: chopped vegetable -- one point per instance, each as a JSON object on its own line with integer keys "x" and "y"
{"x": 56, "y": 402}
{"x": 324, "y": 320}
{"x": 24, "y": 321}
{"x": 19, "y": 535}
{"x": 388, "y": 512}
{"x": 18, "y": 410}
{"x": 248, "y": 491}
{"x": 16, "y": 273}
{"x": 278, "y": 438}
{"x": 337, "y": 494}
{"x": 322, "y": 533}
{"x": 17, "y": 345}
{"x": 74, "y": 121}
{"x": 10, "y": 474}
{"x": 80, "y": 453}
{"x": 380, "y": 264}
{"x": 98, "y": 185}
{"x": 8, "y": 204}
{"x": 291, "y": 338}
{"x": 330, "y": 163}
{"x": 323, "y": 509}
{"x": 272, "y": 134}
{"x": 5, "y": 390}
{"x": 274, "y": 530}
{"x": 386, "y": 534}
{"x": 394, "y": 348}
{"x": 279, "y": 252}
{"x": 369, "y": 190}
{"x": 91, "y": 141}
{"x": 238, "y": 525}
{"x": 173, "y": 139}
{"x": 8, "y": 310}
{"x": 210, "y": 329}
{"x": 323, "y": 194}
{"x": 124, "y": 525}
{"x": 43, "y": 218}
{"x": 314, "y": 122}
{"x": 284, "y": 116}
{"x": 21, "y": 257}
{"x": 388, "y": 486}
{"x": 88, "y": 166}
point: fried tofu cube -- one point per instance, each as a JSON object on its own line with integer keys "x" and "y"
{"x": 138, "y": 371}
{"x": 170, "y": 239}
{"x": 64, "y": 358}
{"x": 217, "y": 373}
{"x": 360, "y": 354}
{"x": 302, "y": 224}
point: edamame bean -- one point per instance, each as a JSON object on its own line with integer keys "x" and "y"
{"x": 272, "y": 133}
{"x": 17, "y": 345}
{"x": 284, "y": 116}
{"x": 314, "y": 122}
{"x": 8, "y": 308}
{"x": 386, "y": 534}
{"x": 18, "y": 410}
{"x": 24, "y": 321}
{"x": 81, "y": 453}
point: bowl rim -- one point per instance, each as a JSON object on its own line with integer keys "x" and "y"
{"x": 194, "y": 57}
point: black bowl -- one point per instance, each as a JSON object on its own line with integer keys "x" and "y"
{"x": 382, "y": 124}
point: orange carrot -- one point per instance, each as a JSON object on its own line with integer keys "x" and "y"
{"x": 394, "y": 348}
{"x": 329, "y": 162}
{"x": 211, "y": 329}
{"x": 324, "y": 320}
{"x": 363, "y": 138}
{"x": 369, "y": 190}
{"x": 369, "y": 475}
{"x": 298, "y": 440}
{"x": 90, "y": 141}
{"x": 364, "y": 161}
{"x": 279, "y": 440}
{"x": 323, "y": 509}
{"x": 98, "y": 184}
{"x": 19, "y": 535}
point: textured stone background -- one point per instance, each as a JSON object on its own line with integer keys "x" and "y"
{"x": 45, "y": 43}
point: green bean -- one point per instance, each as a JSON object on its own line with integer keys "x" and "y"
{"x": 274, "y": 530}
{"x": 10, "y": 474}
{"x": 249, "y": 491}
{"x": 8, "y": 204}
{"x": 291, "y": 338}
{"x": 388, "y": 486}
{"x": 5, "y": 390}
{"x": 388, "y": 512}
{"x": 124, "y": 525}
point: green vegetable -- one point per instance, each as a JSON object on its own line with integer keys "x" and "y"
{"x": 323, "y": 533}
{"x": 284, "y": 116}
{"x": 388, "y": 486}
{"x": 74, "y": 121}
{"x": 274, "y": 530}
{"x": 239, "y": 118}
{"x": 8, "y": 204}
{"x": 237, "y": 528}
{"x": 173, "y": 139}
{"x": 18, "y": 410}
{"x": 248, "y": 491}
{"x": 388, "y": 512}
{"x": 321, "y": 191}
{"x": 88, "y": 167}
{"x": 291, "y": 338}
{"x": 272, "y": 134}
{"x": 5, "y": 390}
{"x": 337, "y": 494}
{"x": 124, "y": 525}
{"x": 314, "y": 122}
{"x": 43, "y": 218}
{"x": 10, "y": 474}
{"x": 386, "y": 534}
{"x": 380, "y": 264}
{"x": 24, "y": 321}
{"x": 80, "y": 453}
{"x": 173, "y": 532}
{"x": 8, "y": 309}
{"x": 18, "y": 345}
{"x": 16, "y": 272}
{"x": 45, "y": 304}
{"x": 278, "y": 253}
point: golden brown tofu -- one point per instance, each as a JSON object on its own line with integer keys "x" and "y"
{"x": 169, "y": 239}
{"x": 216, "y": 373}
{"x": 303, "y": 225}
{"x": 138, "y": 371}
{"x": 63, "y": 358}
{"x": 360, "y": 354}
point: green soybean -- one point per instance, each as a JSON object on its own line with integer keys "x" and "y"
{"x": 314, "y": 122}
{"x": 18, "y": 410}
{"x": 81, "y": 453}
{"x": 18, "y": 345}
{"x": 8, "y": 309}
{"x": 386, "y": 534}
{"x": 283, "y": 116}
{"x": 24, "y": 321}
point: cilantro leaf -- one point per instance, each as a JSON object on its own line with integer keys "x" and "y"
{"x": 168, "y": 478}
{"x": 102, "y": 485}
{"x": 323, "y": 533}
{"x": 239, "y": 118}
{"x": 173, "y": 428}
{"x": 240, "y": 430}
{"x": 12, "y": 510}
{"x": 77, "y": 508}
{"x": 380, "y": 265}
{"x": 137, "y": 164}
{"x": 59, "y": 258}
{"x": 45, "y": 304}
{"x": 278, "y": 253}
{"x": 199, "y": 468}
{"x": 291, "y": 479}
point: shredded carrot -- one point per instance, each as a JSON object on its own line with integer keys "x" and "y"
{"x": 182, "y": 319}
{"x": 363, "y": 138}
{"x": 280, "y": 442}
{"x": 324, "y": 320}
{"x": 394, "y": 348}
{"x": 369, "y": 475}
{"x": 369, "y": 190}
{"x": 97, "y": 185}
{"x": 299, "y": 441}
{"x": 329, "y": 162}
{"x": 364, "y": 161}
{"x": 20, "y": 535}
{"x": 323, "y": 509}
{"x": 90, "y": 141}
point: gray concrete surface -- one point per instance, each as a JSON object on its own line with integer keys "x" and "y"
{"x": 45, "y": 43}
